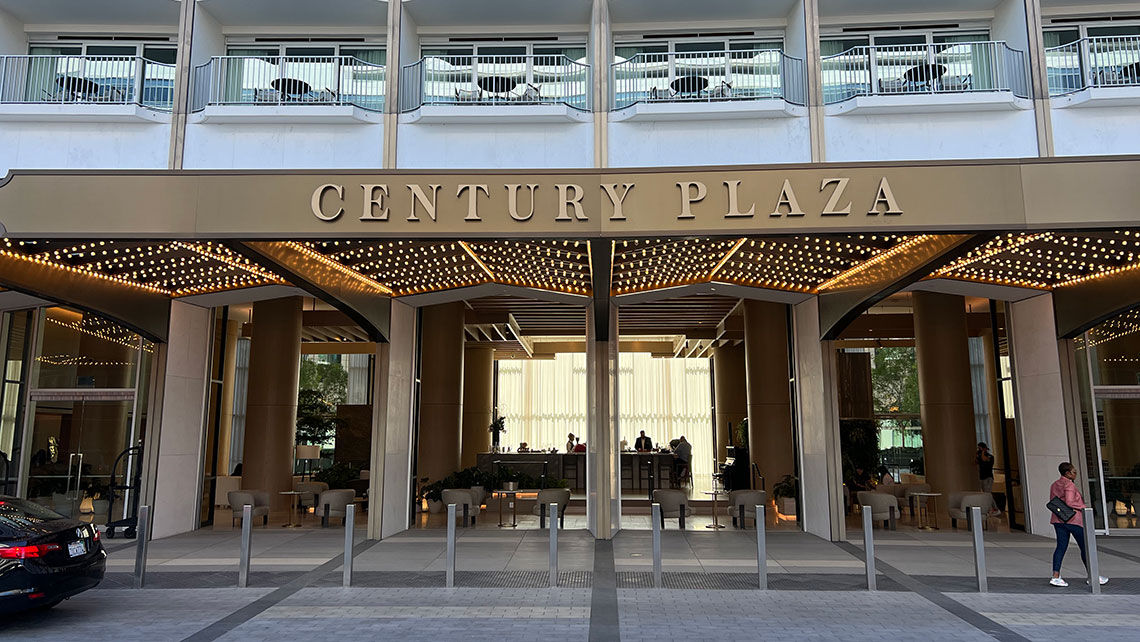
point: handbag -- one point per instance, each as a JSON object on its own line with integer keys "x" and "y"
{"x": 1063, "y": 511}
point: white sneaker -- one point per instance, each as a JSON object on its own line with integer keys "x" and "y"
{"x": 1056, "y": 581}
{"x": 1103, "y": 580}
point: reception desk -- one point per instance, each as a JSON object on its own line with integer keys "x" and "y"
{"x": 638, "y": 470}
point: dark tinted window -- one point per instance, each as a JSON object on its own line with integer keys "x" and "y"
{"x": 11, "y": 507}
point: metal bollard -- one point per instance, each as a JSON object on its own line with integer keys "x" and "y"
{"x": 246, "y": 532}
{"x": 553, "y": 544}
{"x": 450, "y": 545}
{"x": 869, "y": 548}
{"x": 349, "y": 521}
{"x": 1090, "y": 551}
{"x": 979, "y": 549}
{"x": 761, "y": 548}
{"x": 142, "y": 530}
{"x": 656, "y": 518}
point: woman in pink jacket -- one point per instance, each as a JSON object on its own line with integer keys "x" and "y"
{"x": 1067, "y": 491}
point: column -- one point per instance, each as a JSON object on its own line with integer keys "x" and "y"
{"x": 770, "y": 444}
{"x": 441, "y": 390}
{"x": 1042, "y": 430}
{"x": 182, "y": 362}
{"x": 271, "y": 404}
{"x": 478, "y": 401}
{"x": 821, "y": 484}
{"x": 603, "y": 463}
{"x": 946, "y": 399}
{"x": 730, "y": 393}
{"x": 392, "y": 410}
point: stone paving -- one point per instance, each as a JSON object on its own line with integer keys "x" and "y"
{"x": 816, "y": 590}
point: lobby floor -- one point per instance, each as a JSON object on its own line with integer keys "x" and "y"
{"x": 926, "y": 589}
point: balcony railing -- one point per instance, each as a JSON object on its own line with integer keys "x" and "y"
{"x": 1100, "y": 61}
{"x": 289, "y": 80}
{"x": 924, "y": 69}
{"x": 495, "y": 80}
{"x": 108, "y": 80}
{"x": 708, "y": 76}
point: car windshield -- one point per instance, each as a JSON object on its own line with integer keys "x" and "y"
{"x": 17, "y": 514}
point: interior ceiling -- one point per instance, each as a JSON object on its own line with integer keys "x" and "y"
{"x": 550, "y": 280}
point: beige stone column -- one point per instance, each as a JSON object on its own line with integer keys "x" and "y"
{"x": 947, "y": 405}
{"x": 770, "y": 442}
{"x": 271, "y": 405}
{"x": 730, "y": 392}
{"x": 441, "y": 390}
{"x": 478, "y": 401}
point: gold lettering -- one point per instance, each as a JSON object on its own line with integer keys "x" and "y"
{"x": 831, "y": 209}
{"x": 472, "y": 200}
{"x": 688, "y": 198}
{"x": 575, "y": 201}
{"x": 611, "y": 191}
{"x": 419, "y": 196}
{"x": 734, "y": 202}
{"x": 787, "y": 197}
{"x": 513, "y": 201}
{"x": 315, "y": 202}
{"x": 372, "y": 201}
{"x": 885, "y": 196}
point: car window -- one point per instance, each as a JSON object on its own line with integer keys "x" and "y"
{"x": 21, "y": 508}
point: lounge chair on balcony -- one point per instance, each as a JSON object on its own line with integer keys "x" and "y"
{"x": 265, "y": 96}
{"x": 656, "y": 93}
{"x": 529, "y": 94}
{"x": 468, "y": 95}
{"x": 957, "y": 83}
{"x": 723, "y": 90}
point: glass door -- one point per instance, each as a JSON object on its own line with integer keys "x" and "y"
{"x": 74, "y": 443}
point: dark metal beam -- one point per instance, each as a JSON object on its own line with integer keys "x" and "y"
{"x": 601, "y": 272}
{"x": 1080, "y": 306}
{"x": 847, "y": 296}
{"x": 143, "y": 310}
{"x": 366, "y": 302}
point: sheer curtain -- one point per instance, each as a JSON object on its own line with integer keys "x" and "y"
{"x": 543, "y": 400}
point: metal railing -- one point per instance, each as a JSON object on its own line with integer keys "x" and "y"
{"x": 289, "y": 80}
{"x": 1099, "y": 61}
{"x": 708, "y": 76}
{"x": 924, "y": 69}
{"x": 495, "y": 80}
{"x": 108, "y": 80}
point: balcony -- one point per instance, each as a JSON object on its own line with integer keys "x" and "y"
{"x": 1099, "y": 71}
{"x": 326, "y": 89}
{"x": 489, "y": 89}
{"x": 708, "y": 85}
{"x": 85, "y": 88}
{"x": 963, "y": 76}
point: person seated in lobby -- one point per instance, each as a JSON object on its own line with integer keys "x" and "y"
{"x": 682, "y": 458}
{"x": 861, "y": 480}
{"x": 570, "y": 440}
{"x": 885, "y": 477}
{"x": 643, "y": 444}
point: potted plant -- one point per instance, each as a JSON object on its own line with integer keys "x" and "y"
{"x": 785, "y": 491}
{"x": 498, "y": 426}
{"x": 433, "y": 493}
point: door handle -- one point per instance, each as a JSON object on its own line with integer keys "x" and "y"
{"x": 70, "y": 459}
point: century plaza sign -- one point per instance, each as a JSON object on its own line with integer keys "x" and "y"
{"x": 569, "y": 202}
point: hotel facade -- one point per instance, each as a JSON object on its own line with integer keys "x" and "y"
{"x": 200, "y": 193}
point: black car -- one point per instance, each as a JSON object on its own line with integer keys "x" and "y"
{"x": 45, "y": 557}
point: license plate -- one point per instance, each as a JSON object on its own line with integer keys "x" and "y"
{"x": 75, "y": 549}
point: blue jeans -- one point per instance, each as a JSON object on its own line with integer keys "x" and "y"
{"x": 1063, "y": 533}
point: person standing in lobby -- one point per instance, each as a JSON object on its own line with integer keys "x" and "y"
{"x": 570, "y": 443}
{"x": 643, "y": 444}
{"x": 984, "y": 460}
{"x": 1066, "y": 491}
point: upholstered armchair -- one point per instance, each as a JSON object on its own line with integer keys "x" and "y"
{"x": 742, "y": 504}
{"x": 883, "y": 506}
{"x": 548, "y": 496}
{"x": 674, "y": 503}
{"x": 258, "y": 499}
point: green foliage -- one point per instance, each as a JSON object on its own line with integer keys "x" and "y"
{"x": 492, "y": 480}
{"x": 330, "y": 380}
{"x": 786, "y": 487}
{"x": 338, "y": 475}
{"x": 499, "y": 424}
{"x": 859, "y": 443}
{"x": 894, "y": 380}
{"x": 742, "y": 433}
{"x": 316, "y": 418}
